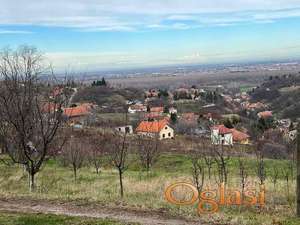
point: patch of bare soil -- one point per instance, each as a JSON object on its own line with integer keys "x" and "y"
{"x": 92, "y": 211}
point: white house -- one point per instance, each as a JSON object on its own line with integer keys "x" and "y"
{"x": 172, "y": 110}
{"x": 137, "y": 108}
{"x": 161, "y": 129}
{"x": 221, "y": 135}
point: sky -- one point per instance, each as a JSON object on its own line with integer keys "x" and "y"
{"x": 91, "y": 35}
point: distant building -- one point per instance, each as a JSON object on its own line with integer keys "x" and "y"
{"x": 78, "y": 115}
{"x": 254, "y": 106}
{"x": 137, "y": 108}
{"x": 292, "y": 135}
{"x": 125, "y": 129}
{"x": 78, "y": 111}
{"x": 240, "y": 137}
{"x": 265, "y": 114}
{"x": 172, "y": 110}
{"x": 284, "y": 123}
{"x": 221, "y": 135}
{"x": 161, "y": 129}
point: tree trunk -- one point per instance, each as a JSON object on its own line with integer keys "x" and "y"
{"x": 75, "y": 172}
{"x": 121, "y": 183}
{"x": 298, "y": 171}
{"x": 31, "y": 181}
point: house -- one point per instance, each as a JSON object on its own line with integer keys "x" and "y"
{"x": 172, "y": 110}
{"x": 221, "y": 135}
{"x": 125, "y": 129}
{"x": 284, "y": 123}
{"x": 137, "y": 108}
{"x": 78, "y": 115}
{"x": 78, "y": 111}
{"x": 292, "y": 135}
{"x": 160, "y": 128}
{"x": 254, "y": 106}
{"x": 265, "y": 114}
{"x": 240, "y": 137}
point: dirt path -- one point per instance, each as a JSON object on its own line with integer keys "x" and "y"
{"x": 93, "y": 211}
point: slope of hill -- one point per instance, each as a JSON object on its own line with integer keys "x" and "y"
{"x": 282, "y": 94}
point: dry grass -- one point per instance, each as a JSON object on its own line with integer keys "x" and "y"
{"x": 144, "y": 191}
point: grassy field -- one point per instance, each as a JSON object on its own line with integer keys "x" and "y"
{"x": 47, "y": 219}
{"x": 146, "y": 191}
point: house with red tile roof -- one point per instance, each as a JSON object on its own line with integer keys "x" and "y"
{"x": 240, "y": 137}
{"x": 265, "y": 114}
{"x": 221, "y": 135}
{"x": 160, "y": 128}
{"x": 78, "y": 111}
{"x": 225, "y": 136}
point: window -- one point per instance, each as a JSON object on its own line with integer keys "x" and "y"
{"x": 164, "y": 135}
{"x": 169, "y": 134}
{"x": 166, "y": 127}
{"x": 119, "y": 128}
{"x": 127, "y": 130}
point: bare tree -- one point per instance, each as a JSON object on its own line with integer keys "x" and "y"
{"x": 148, "y": 150}
{"x": 260, "y": 162}
{"x": 209, "y": 160}
{"x": 74, "y": 154}
{"x": 222, "y": 158}
{"x": 118, "y": 153}
{"x": 198, "y": 164}
{"x": 30, "y": 118}
{"x": 243, "y": 173}
{"x": 98, "y": 146}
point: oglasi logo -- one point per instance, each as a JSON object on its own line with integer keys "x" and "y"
{"x": 208, "y": 202}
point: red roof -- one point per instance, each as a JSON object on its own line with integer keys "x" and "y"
{"x": 238, "y": 135}
{"x": 82, "y": 110}
{"x": 151, "y": 127}
{"x": 265, "y": 114}
{"x": 222, "y": 129}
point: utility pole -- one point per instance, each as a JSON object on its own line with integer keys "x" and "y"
{"x": 298, "y": 170}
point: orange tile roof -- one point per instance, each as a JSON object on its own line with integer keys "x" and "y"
{"x": 82, "y": 110}
{"x": 238, "y": 135}
{"x": 265, "y": 114}
{"x": 151, "y": 127}
{"x": 222, "y": 129}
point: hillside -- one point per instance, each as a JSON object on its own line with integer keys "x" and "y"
{"x": 110, "y": 98}
{"x": 282, "y": 94}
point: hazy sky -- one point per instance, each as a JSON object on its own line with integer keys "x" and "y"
{"x": 100, "y": 34}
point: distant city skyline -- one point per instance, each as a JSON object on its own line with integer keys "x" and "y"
{"x": 90, "y": 35}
